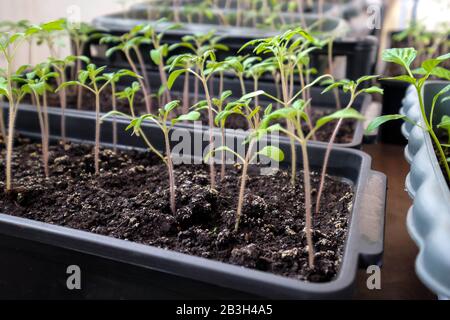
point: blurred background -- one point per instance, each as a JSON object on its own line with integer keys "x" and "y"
{"x": 431, "y": 12}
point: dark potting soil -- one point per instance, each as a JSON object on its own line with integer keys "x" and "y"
{"x": 345, "y": 134}
{"x": 129, "y": 200}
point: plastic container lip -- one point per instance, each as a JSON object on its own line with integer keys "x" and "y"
{"x": 118, "y": 22}
{"x": 429, "y": 144}
{"x": 360, "y": 241}
{"x": 362, "y": 104}
{"x": 429, "y": 269}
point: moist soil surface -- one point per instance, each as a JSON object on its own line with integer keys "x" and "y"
{"x": 345, "y": 134}
{"x": 129, "y": 200}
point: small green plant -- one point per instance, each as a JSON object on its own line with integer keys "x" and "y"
{"x": 61, "y": 65}
{"x": 196, "y": 44}
{"x": 240, "y": 65}
{"x": 219, "y": 104}
{"x": 417, "y": 78}
{"x": 203, "y": 74}
{"x": 257, "y": 133}
{"x": 293, "y": 115}
{"x": 286, "y": 50}
{"x": 130, "y": 43}
{"x": 113, "y": 79}
{"x": 161, "y": 120}
{"x": 10, "y": 42}
{"x": 80, "y": 35}
{"x": 36, "y": 84}
{"x": 94, "y": 80}
{"x": 353, "y": 88}
{"x": 159, "y": 53}
{"x": 50, "y": 36}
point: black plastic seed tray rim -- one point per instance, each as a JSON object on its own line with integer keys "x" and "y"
{"x": 124, "y": 22}
{"x": 39, "y": 253}
{"x": 360, "y": 51}
{"x": 321, "y": 101}
{"x": 346, "y": 9}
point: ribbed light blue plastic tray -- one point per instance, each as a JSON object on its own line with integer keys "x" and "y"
{"x": 428, "y": 219}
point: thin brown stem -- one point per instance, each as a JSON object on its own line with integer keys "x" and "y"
{"x": 176, "y": 11}
{"x": 147, "y": 98}
{"x": 43, "y": 126}
{"x": 327, "y": 156}
{"x": 196, "y": 86}
{"x": 170, "y": 169}
{"x": 186, "y": 93}
{"x": 304, "y": 97}
{"x": 143, "y": 69}
{"x": 9, "y": 146}
{"x": 291, "y": 128}
{"x": 11, "y": 121}
{"x": 331, "y": 67}
{"x": 114, "y": 122}
{"x": 63, "y": 101}
{"x": 255, "y": 88}
{"x": 212, "y": 170}
{"x": 301, "y": 12}
{"x": 163, "y": 77}
{"x": 242, "y": 83}
{"x": 2, "y": 121}
{"x": 97, "y": 132}
{"x": 79, "y": 49}
{"x": 308, "y": 204}
{"x": 220, "y": 83}
{"x": 243, "y": 184}
{"x": 223, "y": 155}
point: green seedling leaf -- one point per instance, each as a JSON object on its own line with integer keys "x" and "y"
{"x": 331, "y": 87}
{"x": 251, "y": 95}
{"x": 377, "y": 122}
{"x": 349, "y": 113}
{"x": 222, "y": 148}
{"x": 222, "y": 116}
{"x": 430, "y": 64}
{"x": 191, "y": 116}
{"x": 366, "y": 78}
{"x": 268, "y": 110}
{"x": 441, "y": 73}
{"x": 56, "y": 25}
{"x": 173, "y": 77}
{"x": 443, "y": 91}
{"x": 254, "y": 112}
{"x": 4, "y": 87}
{"x": 400, "y": 56}
{"x": 225, "y": 95}
{"x": 373, "y": 89}
{"x": 67, "y": 84}
{"x": 155, "y": 54}
{"x": 114, "y": 113}
{"x": 171, "y": 105}
{"x": 402, "y": 78}
{"x": 445, "y": 123}
{"x": 272, "y": 152}
{"x": 110, "y": 51}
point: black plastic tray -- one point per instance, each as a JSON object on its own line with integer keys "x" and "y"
{"x": 35, "y": 255}
{"x": 349, "y": 5}
{"x": 359, "y": 52}
{"x": 320, "y": 101}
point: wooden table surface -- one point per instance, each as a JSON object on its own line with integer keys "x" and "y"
{"x": 398, "y": 278}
